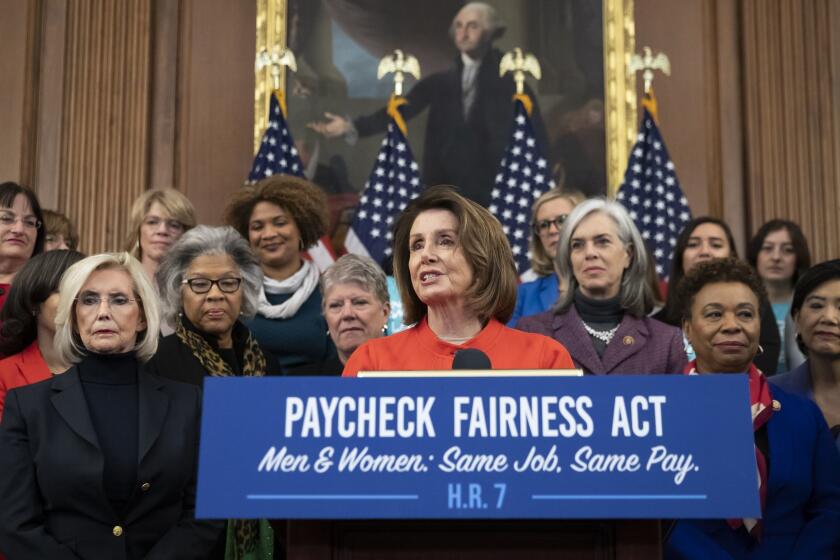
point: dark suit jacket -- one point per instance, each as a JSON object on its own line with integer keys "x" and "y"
{"x": 457, "y": 151}
{"x": 638, "y": 346}
{"x": 802, "y": 511}
{"x": 52, "y": 501}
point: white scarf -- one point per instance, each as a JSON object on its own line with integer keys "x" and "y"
{"x": 302, "y": 283}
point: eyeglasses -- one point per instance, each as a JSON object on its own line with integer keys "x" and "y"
{"x": 171, "y": 225}
{"x": 8, "y": 219}
{"x": 544, "y": 225}
{"x": 203, "y": 285}
{"x": 116, "y": 301}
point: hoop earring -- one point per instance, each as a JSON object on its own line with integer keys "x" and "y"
{"x": 760, "y": 351}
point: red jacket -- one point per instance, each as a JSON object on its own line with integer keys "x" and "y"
{"x": 417, "y": 348}
{"x": 24, "y": 368}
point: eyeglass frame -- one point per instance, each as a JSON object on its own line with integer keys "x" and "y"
{"x": 12, "y": 219}
{"x": 545, "y": 225}
{"x": 188, "y": 282}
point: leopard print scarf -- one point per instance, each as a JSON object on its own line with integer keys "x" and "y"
{"x": 253, "y": 359}
{"x": 247, "y": 538}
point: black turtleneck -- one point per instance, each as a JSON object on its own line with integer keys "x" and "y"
{"x": 600, "y": 315}
{"x": 110, "y": 386}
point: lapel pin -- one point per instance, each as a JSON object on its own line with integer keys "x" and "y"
{"x": 628, "y": 340}
{"x": 777, "y": 405}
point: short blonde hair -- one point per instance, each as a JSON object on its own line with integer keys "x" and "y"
{"x": 174, "y": 202}
{"x": 485, "y": 247}
{"x": 541, "y": 263}
{"x": 67, "y": 341}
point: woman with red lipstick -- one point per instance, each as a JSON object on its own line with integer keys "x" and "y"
{"x": 798, "y": 466}
{"x": 816, "y": 314}
{"x": 780, "y": 254}
{"x": 159, "y": 218}
{"x": 549, "y": 212}
{"x": 281, "y": 217}
{"x": 21, "y": 232}
{"x": 602, "y": 316}
{"x": 457, "y": 279}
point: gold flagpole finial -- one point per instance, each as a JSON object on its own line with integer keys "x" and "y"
{"x": 648, "y": 63}
{"x": 399, "y": 64}
{"x": 276, "y": 59}
{"x": 518, "y": 62}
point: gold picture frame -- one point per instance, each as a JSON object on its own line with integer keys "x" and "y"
{"x": 619, "y": 86}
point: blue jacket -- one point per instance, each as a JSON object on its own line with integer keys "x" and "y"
{"x": 798, "y": 382}
{"x": 802, "y": 510}
{"x": 535, "y": 297}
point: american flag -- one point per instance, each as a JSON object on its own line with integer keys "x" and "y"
{"x": 394, "y": 182}
{"x": 651, "y": 192}
{"x": 523, "y": 176}
{"x": 278, "y": 154}
{"x": 277, "y": 151}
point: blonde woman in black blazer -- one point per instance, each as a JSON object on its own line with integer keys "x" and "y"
{"x": 99, "y": 462}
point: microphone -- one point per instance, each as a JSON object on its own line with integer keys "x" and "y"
{"x": 471, "y": 358}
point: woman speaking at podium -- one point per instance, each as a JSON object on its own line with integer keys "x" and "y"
{"x": 455, "y": 270}
{"x": 797, "y": 462}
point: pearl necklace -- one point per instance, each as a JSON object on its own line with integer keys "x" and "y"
{"x": 605, "y": 336}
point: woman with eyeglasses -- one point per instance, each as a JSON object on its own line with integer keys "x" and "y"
{"x": 21, "y": 232}
{"x": 208, "y": 283}
{"x": 159, "y": 217}
{"x": 549, "y": 212}
{"x": 100, "y": 461}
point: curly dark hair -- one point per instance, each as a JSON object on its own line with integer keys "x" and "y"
{"x": 718, "y": 270}
{"x": 38, "y": 278}
{"x": 304, "y": 201}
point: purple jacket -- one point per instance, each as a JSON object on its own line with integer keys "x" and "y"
{"x": 639, "y": 346}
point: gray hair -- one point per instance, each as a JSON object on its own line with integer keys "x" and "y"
{"x": 67, "y": 342}
{"x": 359, "y": 270}
{"x": 636, "y": 295}
{"x": 493, "y": 24}
{"x": 207, "y": 240}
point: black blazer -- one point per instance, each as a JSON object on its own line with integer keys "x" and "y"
{"x": 52, "y": 501}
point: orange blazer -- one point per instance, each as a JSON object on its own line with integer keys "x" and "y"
{"x": 417, "y": 348}
{"x": 24, "y": 368}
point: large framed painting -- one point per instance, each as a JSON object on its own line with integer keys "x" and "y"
{"x": 584, "y": 103}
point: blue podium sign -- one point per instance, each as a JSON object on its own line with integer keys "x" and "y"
{"x": 517, "y": 447}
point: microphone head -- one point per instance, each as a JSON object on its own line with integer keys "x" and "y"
{"x": 471, "y": 358}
